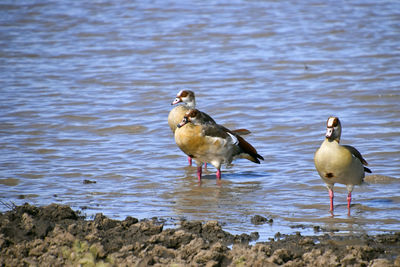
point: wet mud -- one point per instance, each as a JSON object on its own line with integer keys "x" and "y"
{"x": 55, "y": 235}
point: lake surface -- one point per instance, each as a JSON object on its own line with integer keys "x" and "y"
{"x": 86, "y": 88}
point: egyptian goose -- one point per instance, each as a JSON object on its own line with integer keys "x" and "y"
{"x": 211, "y": 142}
{"x": 337, "y": 163}
{"x": 188, "y": 100}
{"x": 175, "y": 116}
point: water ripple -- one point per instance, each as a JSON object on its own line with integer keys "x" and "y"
{"x": 86, "y": 90}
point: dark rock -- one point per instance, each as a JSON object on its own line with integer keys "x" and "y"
{"x": 258, "y": 219}
{"x": 89, "y": 182}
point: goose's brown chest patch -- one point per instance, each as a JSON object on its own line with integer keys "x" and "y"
{"x": 329, "y": 175}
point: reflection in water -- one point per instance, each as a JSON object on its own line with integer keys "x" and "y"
{"x": 213, "y": 197}
{"x": 86, "y": 91}
{"x": 213, "y": 200}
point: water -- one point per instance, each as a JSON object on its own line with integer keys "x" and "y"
{"x": 86, "y": 90}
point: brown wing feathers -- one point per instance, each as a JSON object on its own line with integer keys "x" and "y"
{"x": 241, "y": 131}
{"x": 221, "y": 131}
{"x": 249, "y": 149}
{"x": 358, "y": 155}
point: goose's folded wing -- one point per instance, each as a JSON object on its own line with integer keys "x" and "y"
{"x": 358, "y": 155}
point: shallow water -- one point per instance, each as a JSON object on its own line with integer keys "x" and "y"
{"x": 86, "y": 90}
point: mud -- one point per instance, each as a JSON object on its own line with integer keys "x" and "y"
{"x": 56, "y": 235}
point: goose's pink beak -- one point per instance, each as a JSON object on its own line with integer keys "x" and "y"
{"x": 176, "y": 101}
{"x": 183, "y": 122}
{"x": 329, "y": 132}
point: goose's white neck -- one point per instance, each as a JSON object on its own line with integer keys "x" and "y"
{"x": 191, "y": 104}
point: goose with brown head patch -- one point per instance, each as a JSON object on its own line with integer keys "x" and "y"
{"x": 211, "y": 142}
{"x": 337, "y": 163}
{"x": 188, "y": 101}
{"x": 175, "y": 116}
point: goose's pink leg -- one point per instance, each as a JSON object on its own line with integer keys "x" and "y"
{"x": 348, "y": 202}
{"x": 331, "y": 198}
{"x": 199, "y": 172}
{"x": 190, "y": 161}
{"x": 219, "y": 174}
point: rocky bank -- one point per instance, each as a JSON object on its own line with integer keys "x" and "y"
{"x": 56, "y": 235}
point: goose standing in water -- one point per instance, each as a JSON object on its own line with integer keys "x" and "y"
{"x": 211, "y": 142}
{"x": 175, "y": 116}
{"x": 188, "y": 100}
{"x": 337, "y": 163}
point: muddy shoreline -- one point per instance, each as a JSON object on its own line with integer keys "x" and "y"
{"x": 56, "y": 235}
